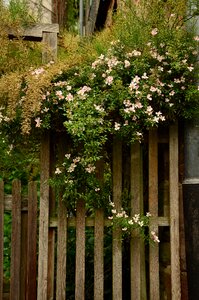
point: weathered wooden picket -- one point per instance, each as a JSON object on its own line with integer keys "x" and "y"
{"x": 44, "y": 276}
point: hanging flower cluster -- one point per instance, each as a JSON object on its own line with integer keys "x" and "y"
{"x": 120, "y": 219}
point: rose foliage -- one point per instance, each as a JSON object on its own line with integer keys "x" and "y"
{"x": 135, "y": 83}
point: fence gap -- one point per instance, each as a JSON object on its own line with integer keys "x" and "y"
{"x": 174, "y": 212}
{"x": 1, "y": 235}
{"x": 117, "y": 235}
{"x": 153, "y": 208}
{"x": 15, "y": 241}
{"x": 80, "y": 252}
{"x": 31, "y": 292}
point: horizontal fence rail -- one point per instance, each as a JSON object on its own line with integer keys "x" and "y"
{"x": 40, "y": 249}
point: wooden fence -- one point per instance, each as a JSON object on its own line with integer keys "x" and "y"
{"x": 39, "y": 247}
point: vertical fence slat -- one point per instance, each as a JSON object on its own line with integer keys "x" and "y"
{"x": 43, "y": 219}
{"x": 174, "y": 212}
{"x": 1, "y": 235}
{"x": 61, "y": 250}
{"x": 153, "y": 208}
{"x": 23, "y": 266}
{"x": 51, "y": 248}
{"x": 117, "y": 237}
{"x": 80, "y": 252}
{"x": 137, "y": 254}
{"x": 99, "y": 256}
{"x": 15, "y": 241}
{"x": 31, "y": 293}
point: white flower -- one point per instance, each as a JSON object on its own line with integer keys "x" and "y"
{"x": 99, "y": 108}
{"x": 154, "y": 237}
{"x": 69, "y": 97}
{"x": 144, "y": 76}
{"x": 154, "y": 31}
{"x": 90, "y": 168}
{"x": 124, "y": 229}
{"x": 130, "y": 222}
{"x": 58, "y": 171}
{"x": 117, "y": 126}
{"x": 149, "y": 97}
{"x": 190, "y": 68}
{"x": 109, "y": 80}
{"x": 127, "y": 64}
{"x": 38, "y": 122}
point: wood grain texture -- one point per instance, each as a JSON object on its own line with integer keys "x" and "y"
{"x": 43, "y": 219}
{"x": 49, "y": 40}
{"x": 1, "y": 235}
{"x": 36, "y": 31}
{"x": 90, "y": 221}
{"x": 80, "y": 252}
{"x": 24, "y": 244}
{"x": 61, "y": 250}
{"x": 31, "y": 293}
{"x": 99, "y": 255}
{"x": 174, "y": 212}
{"x": 137, "y": 253}
{"x": 117, "y": 237}
{"x": 15, "y": 241}
{"x": 153, "y": 208}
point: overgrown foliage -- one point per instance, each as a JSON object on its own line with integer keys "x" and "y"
{"x": 140, "y": 73}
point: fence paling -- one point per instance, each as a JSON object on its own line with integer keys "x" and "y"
{"x": 80, "y": 252}
{"x": 137, "y": 253}
{"x": 1, "y": 236}
{"x": 99, "y": 255}
{"x": 23, "y": 266}
{"x": 31, "y": 293}
{"x": 117, "y": 241}
{"x": 153, "y": 208}
{"x": 15, "y": 241}
{"x": 61, "y": 250}
{"x": 174, "y": 212}
{"x": 44, "y": 220}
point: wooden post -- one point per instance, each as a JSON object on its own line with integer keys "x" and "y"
{"x": 31, "y": 292}
{"x": 16, "y": 241}
{"x": 24, "y": 244}
{"x": 153, "y": 208}
{"x": 80, "y": 252}
{"x": 50, "y": 46}
{"x": 174, "y": 212}
{"x": 99, "y": 255}
{"x": 137, "y": 254}
{"x": 44, "y": 219}
{"x": 117, "y": 236}
{"x": 61, "y": 250}
{"x": 1, "y": 235}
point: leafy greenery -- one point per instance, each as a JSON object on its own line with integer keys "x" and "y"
{"x": 131, "y": 81}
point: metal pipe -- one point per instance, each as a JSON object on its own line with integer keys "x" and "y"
{"x": 81, "y": 17}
